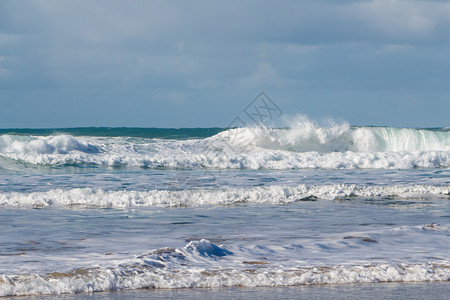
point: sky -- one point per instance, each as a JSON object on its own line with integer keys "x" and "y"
{"x": 200, "y": 63}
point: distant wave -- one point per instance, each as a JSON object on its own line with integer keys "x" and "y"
{"x": 304, "y": 145}
{"x": 230, "y": 196}
{"x": 150, "y": 133}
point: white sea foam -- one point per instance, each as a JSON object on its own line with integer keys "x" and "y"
{"x": 276, "y": 160}
{"x": 229, "y": 196}
{"x": 202, "y": 264}
{"x": 61, "y": 144}
{"x": 176, "y": 156}
{"x": 374, "y": 231}
{"x": 304, "y": 135}
{"x": 305, "y": 145}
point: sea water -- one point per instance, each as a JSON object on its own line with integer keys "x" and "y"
{"x": 102, "y": 209}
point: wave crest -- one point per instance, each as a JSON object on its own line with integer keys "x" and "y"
{"x": 61, "y": 144}
{"x": 197, "y": 265}
{"x": 303, "y": 145}
{"x": 305, "y": 135}
{"x": 258, "y": 195}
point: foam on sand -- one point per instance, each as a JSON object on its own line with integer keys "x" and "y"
{"x": 202, "y": 264}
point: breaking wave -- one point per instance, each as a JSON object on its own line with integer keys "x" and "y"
{"x": 304, "y": 135}
{"x": 304, "y": 145}
{"x": 202, "y": 264}
{"x": 229, "y": 196}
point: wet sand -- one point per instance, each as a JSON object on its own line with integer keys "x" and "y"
{"x": 414, "y": 290}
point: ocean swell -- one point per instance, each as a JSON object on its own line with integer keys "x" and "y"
{"x": 305, "y": 145}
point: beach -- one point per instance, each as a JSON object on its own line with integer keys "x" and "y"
{"x": 423, "y": 290}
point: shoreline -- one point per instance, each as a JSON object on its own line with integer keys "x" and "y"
{"x": 382, "y": 290}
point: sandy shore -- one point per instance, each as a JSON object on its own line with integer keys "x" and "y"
{"x": 422, "y": 290}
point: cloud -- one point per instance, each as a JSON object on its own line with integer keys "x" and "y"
{"x": 182, "y": 51}
{"x": 407, "y": 21}
{"x": 2, "y": 59}
{"x": 265, "y": 76}
{"x": 174, "y": 97}
{"x": 109, "y": 42}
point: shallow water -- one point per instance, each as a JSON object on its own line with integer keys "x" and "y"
{"x": 409, "y": 290}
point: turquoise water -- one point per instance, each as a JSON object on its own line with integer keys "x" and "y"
{"x": 161, "y": 133}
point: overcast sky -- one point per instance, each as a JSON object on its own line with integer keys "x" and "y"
{"x": 199, "y": 63}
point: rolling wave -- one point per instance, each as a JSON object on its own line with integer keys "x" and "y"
{"x": 303, "y": 145}
{"x": 229, "y": 196}
{"x": 202, "y": 264}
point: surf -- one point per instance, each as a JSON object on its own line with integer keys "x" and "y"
{"x": 275, "y": 195}
{"x": 304, "y": 144}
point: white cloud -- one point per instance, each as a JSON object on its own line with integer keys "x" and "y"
{"x": 2, "y": 70}
{"x": 301, "y": 49}
{"x": 265, "y": 76}
{"x": 200, "y": 44}
{"x": 171, "y": 96}
{"x": 393, "y": 48}
{"x": 181, "y": 46}
{"x": 403, "y": 20}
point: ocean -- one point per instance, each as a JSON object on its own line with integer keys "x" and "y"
{"x": 115, "y": 209}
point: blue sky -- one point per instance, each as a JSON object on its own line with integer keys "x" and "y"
{"x": 199, "y": 63}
